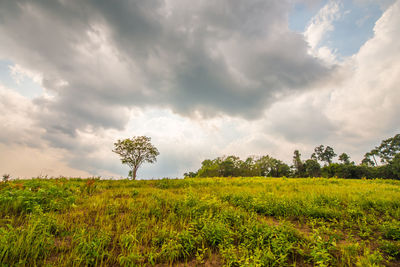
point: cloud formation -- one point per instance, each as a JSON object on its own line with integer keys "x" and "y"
{"x": 202, "y": 78}
{"x": 320, "y": 26}
{"x": 229, "y": 57}
{"x": 356, "y": 110}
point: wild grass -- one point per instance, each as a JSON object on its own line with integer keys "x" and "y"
{"x": 195, "y": 222}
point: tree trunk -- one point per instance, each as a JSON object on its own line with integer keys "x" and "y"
{"x": 376, "y": 163}
{"x": 134, "y": 170}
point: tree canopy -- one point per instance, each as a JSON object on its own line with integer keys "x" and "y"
{"x": 135, "y": 151}
{"x": 388, "y": 152}
{"x": 344, "y": 158}
{"x": 233, "y": 166}
{"x": 324, "y": 154}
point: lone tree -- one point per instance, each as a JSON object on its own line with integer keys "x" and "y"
{"x": 135, "y": 151}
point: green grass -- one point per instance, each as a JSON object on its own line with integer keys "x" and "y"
{"x": 195, "y": 222}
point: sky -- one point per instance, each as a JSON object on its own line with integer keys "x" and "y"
{"x": 203, "y": 79}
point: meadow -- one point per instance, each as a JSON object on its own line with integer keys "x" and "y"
{"x": 200, "y": 222}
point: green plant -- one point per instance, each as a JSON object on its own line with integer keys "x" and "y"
{"x": 134, "y": 193}
{"x": 6, "y": 178}
{"x": 27, "y": 245}
{"x": 90, "y": 247}
{"x": 391, "y": 230}
{"x": 392, "y": 248}
{"x": 253, "y": 221}
{"x": 321, "y": 249}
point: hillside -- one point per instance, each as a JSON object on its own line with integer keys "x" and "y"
{"x": 200, "y": 222}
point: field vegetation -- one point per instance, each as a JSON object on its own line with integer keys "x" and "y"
{"x": 253, "y": 221}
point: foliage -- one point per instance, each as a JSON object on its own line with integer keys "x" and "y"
{"x": 391, "y": 230}
{"x": 298, "y": 165}
{"x": 91, "y": 247}
{"x": 312, "y": 168}
{"x": 325, "y": 154}
{"x": 386, "y": 151}
{"x": 6, "y": 178}
{"x": 28, "y": 244}
{"x": 232, "y": 166}
{"x": 190, "y": 174}
{"x": 391, "y": 248}
{"x": 136, "y": 151}
{"x": 344, "y": 158}
{"x": 22, "y": 198}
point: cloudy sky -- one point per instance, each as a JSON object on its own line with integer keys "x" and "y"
{"x": 201, "y": 78}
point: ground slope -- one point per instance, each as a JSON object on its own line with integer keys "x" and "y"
{"x": 194, "y": 222}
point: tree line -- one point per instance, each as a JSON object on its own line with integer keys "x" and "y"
{"x": 381, "y": 162}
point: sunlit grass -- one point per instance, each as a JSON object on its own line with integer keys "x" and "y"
{"x": 211, "y": 221}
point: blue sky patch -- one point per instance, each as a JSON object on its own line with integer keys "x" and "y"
{"x": 353, "y": 28}
{"x": 26, "y": 86}
{"x": 301, "y": 15}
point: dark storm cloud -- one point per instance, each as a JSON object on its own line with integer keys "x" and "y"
{"x": 224, "y": 57}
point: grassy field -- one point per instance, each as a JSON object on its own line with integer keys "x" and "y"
{"x": 200, "y": 222}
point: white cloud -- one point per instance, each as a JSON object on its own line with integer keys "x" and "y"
{"x": 359, "y": 107}
{"x": 23, "y": 153}
{"x": 384, "y": 4}
{"x": 319, "y": 27}
{"x": 19, "y": 73}
{"x": 367, "y": 103}
{"x": 16, "y": 118}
